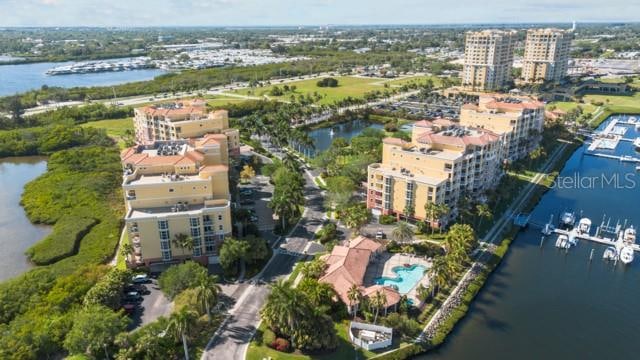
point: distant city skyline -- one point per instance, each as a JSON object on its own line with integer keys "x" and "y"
{"x": 142, "y": 13}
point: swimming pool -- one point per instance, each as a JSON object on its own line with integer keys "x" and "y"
{"x": 407, "y": 278}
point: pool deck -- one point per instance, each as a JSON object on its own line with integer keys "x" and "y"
{"x": 383, "y": 267}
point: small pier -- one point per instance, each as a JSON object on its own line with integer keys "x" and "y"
{"x": 609, "y": 138}
{"x": 623, "y": 158}
{"x": 596, "y": 239}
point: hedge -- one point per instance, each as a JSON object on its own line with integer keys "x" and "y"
{"x": 63, "y": 241}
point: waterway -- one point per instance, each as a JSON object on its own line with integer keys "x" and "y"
{"x": 17, "y": 232}
{"x": 545, "y": 303}
{"x": 24, "y": 77}
{"x": 323, "y": 137}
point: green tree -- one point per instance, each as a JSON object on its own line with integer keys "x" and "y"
{"x": 483, "y": 211}
{"x": 94, "y": 330}
{"x": 180, "y": 277}
{"x": 355, "y": 216}
{"x": 402, "y": 232}
{"x": 180, "y": 325}
{"x": 378, "y": 301}
{"x": 285, "y": 309}
{"x": 354, "y": 297}
{"x": 183, "y": 242}
{"x": 232, "y": 253}
{"x": 207, "y": 293}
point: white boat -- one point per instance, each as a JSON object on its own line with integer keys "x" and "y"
{"x": 626, "y": 254}
{"x": 637, "y": 167}
{"x": 584, "y": 226}
{"x": 563, "y": 242}
{"x": 573, "y": 239}
{"x": 548, "y": 229}
{"x": 629, "y": 236}
{"x": 567, "y": 219}
{"x": 636, "y": 143}
{"x": 610, "y": 253}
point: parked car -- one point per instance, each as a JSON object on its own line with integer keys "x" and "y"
{"x": 129, "y": 308}
{"x": 140, "y": 279}
{"x": 247, "y": 202}
{"x": 137, "y": 287}
{"x": 380, "y": 235}
{"x": 132, "y": 297}
{"x": 246, "y": 192}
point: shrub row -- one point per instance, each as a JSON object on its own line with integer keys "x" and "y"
{"x": 63, "y": 241}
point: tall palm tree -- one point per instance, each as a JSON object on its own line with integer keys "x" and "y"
{"x": 484, "y": 212}
{"x": 440, "y": 273}
{"x": 379, "y": 300}
{"x": 354, "y": 298}
{"x": 183, "y": 241}
{"x": 402, "y": 232}
{"x": 180, "y": 324}
{"x": 126, "y": 250}
{"x": 207, "y": 292}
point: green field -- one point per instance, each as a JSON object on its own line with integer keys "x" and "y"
{"x": 570, "y": 105}
{"x": 415, "y": 79}
{"x": 615, "y": 100}
{"x": 116, "y": 128}
{"x": 352, "y": 86}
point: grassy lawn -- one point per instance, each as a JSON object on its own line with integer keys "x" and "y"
{"x": 345, "y": 350}
{"x": 347, "y": 86}
{"x": 619, "y": 100}
{"x": 570, "y": 105}
{"x": 415, "y": 79}
{"x": 115, "y": 128}
{"x": 222, "y": 101}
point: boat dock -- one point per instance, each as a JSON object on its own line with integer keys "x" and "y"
{"x": 623, "y": 158}
{"x": 610, "y": 137}
{"x": 599, "y": 240}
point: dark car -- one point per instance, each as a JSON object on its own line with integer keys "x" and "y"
{"x": 247, "y": 202}
{"x": 129, "y": 308}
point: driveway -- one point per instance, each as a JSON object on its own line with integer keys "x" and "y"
{"x": 232, "y": 340}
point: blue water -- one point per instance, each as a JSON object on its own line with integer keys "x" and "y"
{"x": 323, "y": 137}
{"x": 24, "y": 77}
{"x": 407, "y": 278}
{"x": 544, "y": 303}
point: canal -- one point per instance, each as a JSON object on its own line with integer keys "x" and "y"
{"x": 18, "y": 233}
{"x": 547, "y": 303}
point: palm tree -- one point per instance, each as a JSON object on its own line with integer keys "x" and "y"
{"x": 402, "y": 232}
{"x": 379, "y": 300}
{"x": 180, "y": 323}
{"x": 285, "y": 307}
{"x": 126, "y": 250}
{"x": 207, "y": 292}
{"x": 484, "y": 212}
{"x": 354, "y": 298}
{"x": 183, "y": 241}
{"x": 440, "y": 273}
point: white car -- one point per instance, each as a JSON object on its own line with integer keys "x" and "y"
{"x": 140, "y": 279}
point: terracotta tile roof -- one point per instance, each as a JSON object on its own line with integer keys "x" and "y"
{"x": 365, "y": 243}
{"x": 504, "y": 106}
{"x": 481, "y": 137}
{"x": 392, "y": 295}
{"x": 196, "y": 156}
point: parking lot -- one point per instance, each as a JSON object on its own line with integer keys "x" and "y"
{"x": 153, "y": 305}
{"x": 432, "y": 106}
{"x": 255, "y": 198}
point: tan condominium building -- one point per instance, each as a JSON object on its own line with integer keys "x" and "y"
{"x": 182, "y": 119}
{"x": 546, "y": 55}
{"x": 176, "y": 190}
{"x": 518, "y": 121}
{"x": 488, "y": 59}
{"x": 442, "y": 162}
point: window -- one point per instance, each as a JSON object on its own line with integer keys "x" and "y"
{"x": 170, "y": 190}
{"x": 220, "y": 217}
{"x": 220, "y": 227}
{"x": 163, "y": 224}
{"x": 164, "y": 234}
{"x": 195, "y": 222}
{"x": 166, "y": 255}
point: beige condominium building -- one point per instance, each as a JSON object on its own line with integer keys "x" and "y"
{"x": 174, "y": 189}
{"x": 518, "y": 121}
{"x": 182, "y": 119}
{"x": 488, "y": 59}
{"x": 442, "y": 162}
{"x": 546, "y": 55}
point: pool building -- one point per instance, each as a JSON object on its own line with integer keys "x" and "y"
{"x": 365, "y": 264}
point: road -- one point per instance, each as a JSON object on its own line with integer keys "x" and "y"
{"x": 232, "y": 339}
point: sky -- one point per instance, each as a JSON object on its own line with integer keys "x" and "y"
{"x": 307, "y": 12}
